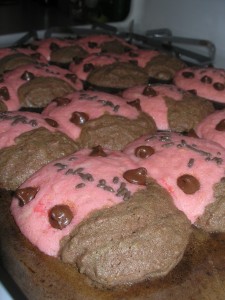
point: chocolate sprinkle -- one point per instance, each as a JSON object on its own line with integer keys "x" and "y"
{"x": 25, "y": 195}
{"x": 190, "y": 162}
{"x": 71, "y": 77}
{"x": 60, "y": 166}
{"x": 80, "y": 185}
{"x": 92, "y": 45}
{"x": 206, "y": 79}
{"x": 188, "y": 74}
{"x": 88, "y": 67}
{"x": 60, "y": 216}
{"x": 135, "y": 103}
{"x": 221, "y": 125}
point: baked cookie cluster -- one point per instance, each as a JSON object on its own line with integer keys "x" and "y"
{"x": 113, "y": 153}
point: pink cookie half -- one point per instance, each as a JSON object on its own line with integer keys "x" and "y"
{"x": 188, "y": 168}
{"x": 74, "y": 186}
{"x": 77, "y": 108}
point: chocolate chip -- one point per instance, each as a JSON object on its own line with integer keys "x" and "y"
{"x": 218, "y": 86}
{"x": 133, "y": 54}
{"x": 98, "y": 151}
{"x": 206, "y": 79}
{"x": 188, "y": 184}
{"x": 77, "y": 60}
{"x": 88, "y": 67}
{"x": 136, "y": 176}
{"x": 192, "y": 133}
{"x": 135, "y": 103}
{"x": 71, "y": 77}
{"x": 221, "y": 125}
{"x": 54, "y": 46}
{"x": 80, "y": 185}
{"x": 25, "y": 195}
{"x": 92, "y": 45}
{"x": 27, "y": 76}
{"x": 188, "y": 74}
{"x": 4, "y": 93}
{"x": 149, "y": 91}
{"x": 144, "y": 151}
{"x": 60, "y": 216}
{"x": 51, "y": 122}
{"x": 60, "y": 101}
{"x": 193, "y": 92}
{"x": 79, "y": 118}
{"x": 35, "y": 56}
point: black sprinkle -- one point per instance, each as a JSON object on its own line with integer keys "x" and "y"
{"x": 60, "y": 166}
{"x": 109, "y": 188}
{"x": 191, "y": 162}
{"x": 80, "y": 185}
{"x": 115, "y": 179}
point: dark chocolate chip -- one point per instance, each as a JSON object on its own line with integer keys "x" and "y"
{"x": 60, "y": 216}
{"x": 135, "y": 103}
{"x": 98, "y": 151}
{"x": 4, "y": 93}
{"x": 193, "y": 92}
{"x": 71, "y": 77}
{"x": 79, "y": 118}
{"x": 88, "y": 67}
{"x": 188, "y": 184}
{"x": 51, "y": 122}
{"x": 27, "y": 76}
{"x": 25, "y": 195}
{"x": 218, "y": 86}
{"x": 54, "y": 46}
{"x": 60, "y": 101}
{"x": 80, "y": 185}
{"x": 206, "y": 79}
{"x": 192, "y": 133}
{"x": 144, "y": 151}
{"x": 136, "y": 176}
{"x": 149, "y": 91}
{"x": 92, "y": 45}
{"x": 221, "y": 125}
{"x": 188, "y": 74}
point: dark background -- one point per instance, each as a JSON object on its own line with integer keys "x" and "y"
{"x": 25, "y": 15}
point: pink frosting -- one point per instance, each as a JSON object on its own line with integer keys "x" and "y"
{"x": 57, "y": 188}
{"x": 155, "y": 106}
{"x": 207, "y": 128}
{"x": 13, "y": 124}
{"x": 172, "y": 160}
{"x": 203, "y": 89}
{"x": 13, "y": 80}
{"x": 94, "y": 104}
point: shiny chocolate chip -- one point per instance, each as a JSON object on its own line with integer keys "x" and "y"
{"x": 188, "y": 74}
{"x": 52, "y": 122}
{"x": 144, "y": 151}
{"x": 206, "y": 79}
{"x": 188, "y": 184}
{"x": 54, "y": 46}
{"x": 98, "y": 151}
{"x": 149, "y": 91}
{"x": 60, "y": 216}
{"x": 79, "y": 118}
{"x": 25, "y": 195}
{"x": 218, "y": 86}
{"x": 136, "y": 176}
{"x": 60, "y": 101}
{"x": 27, "y": 76}
{"x": 192, "y": 133}
{"x": 135, "y": 103}
{"x": 221, "y": 125}
{"x": 72, "y": 77}
{"x": 92, "y": 45}
{"x": 88, "y": 67}
{"x": 4, "y": 93}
